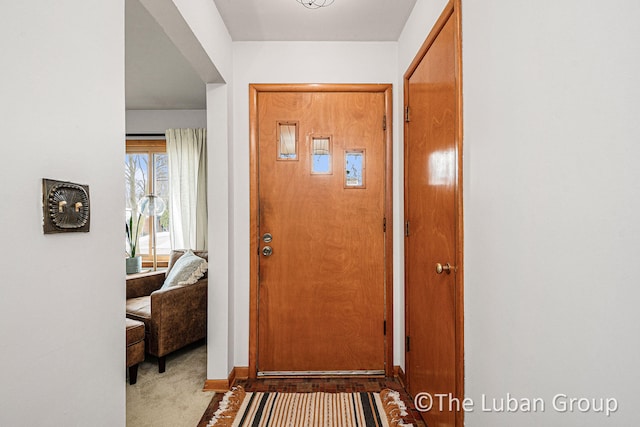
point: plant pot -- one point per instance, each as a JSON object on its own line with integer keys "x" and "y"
{"x": 134, "y": 265}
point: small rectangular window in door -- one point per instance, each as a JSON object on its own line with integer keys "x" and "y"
{"x": 321, "y": 155}
{"x": 354, "y": 169}
{"x": 287, "y": 140}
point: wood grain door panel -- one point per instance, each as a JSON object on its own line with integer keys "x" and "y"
{"x": 321, "y": 294}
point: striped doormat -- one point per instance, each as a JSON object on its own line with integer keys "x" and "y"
{"x": 262, "y": 409}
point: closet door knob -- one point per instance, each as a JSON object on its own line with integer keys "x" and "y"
{"x": 446, "y": 268}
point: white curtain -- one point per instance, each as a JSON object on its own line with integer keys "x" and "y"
{"x": 187, "y": 152}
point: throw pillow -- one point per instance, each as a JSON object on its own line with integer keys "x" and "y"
{"x": 186, "y": 270}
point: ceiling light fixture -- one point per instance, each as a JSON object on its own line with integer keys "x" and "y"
{"x": 315, "y": 4}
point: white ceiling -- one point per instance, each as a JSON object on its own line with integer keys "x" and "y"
{"x": 158, "y": 76}
{"x": 288, "y": 20}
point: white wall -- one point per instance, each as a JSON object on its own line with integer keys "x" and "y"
{"x": 62, "y": 324}
{"x": 552, "y": 237}
{"x": 220, "y": 320}
{"x": 158, "y": 121}
{"x": 281, "y": 62}
{"x": 205, "y": 22}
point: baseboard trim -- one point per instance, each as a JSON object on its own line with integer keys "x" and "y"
{"x": 400, "y": 375}
{"x": 216, "y": 385}
{"x": 238, "y": 372}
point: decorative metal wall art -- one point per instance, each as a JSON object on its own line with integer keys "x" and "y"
{"x": 65, "y": 206}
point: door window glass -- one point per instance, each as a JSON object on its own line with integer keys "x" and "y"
{"x": 320, "y": 155}
{"x": 287, "y": 141}
{"x": 354, "y": 169}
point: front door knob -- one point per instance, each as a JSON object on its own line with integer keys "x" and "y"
{"x": 446, "y": 268}
{"x": 267, "y": 251}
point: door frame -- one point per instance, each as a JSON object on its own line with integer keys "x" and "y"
{"x": 254, "y": 90}
{"x": 451, "y": 9}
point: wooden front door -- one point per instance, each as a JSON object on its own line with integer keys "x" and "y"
{"x": 433, "y": 211}
{"x": 320, "y": 240}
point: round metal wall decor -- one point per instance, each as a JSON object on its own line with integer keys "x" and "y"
{"x": 66, "y": 206}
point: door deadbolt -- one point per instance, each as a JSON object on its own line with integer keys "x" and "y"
{"x": 267, "y": 251}
{"x": 446, "y": 268}
{"x": 267, "y": 238}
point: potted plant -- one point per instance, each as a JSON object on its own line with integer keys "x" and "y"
{"x": 134, "y": 261}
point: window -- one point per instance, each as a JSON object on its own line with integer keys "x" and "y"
{"x": 287, "y": 141}
{"x": 354, "y": 169}
{"x": 321, "y": 155}
{"x": 147, "y": 172}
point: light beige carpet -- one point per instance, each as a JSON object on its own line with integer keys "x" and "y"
{"x": 173, "y": 398}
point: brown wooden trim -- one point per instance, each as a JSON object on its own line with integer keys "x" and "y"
{"x": 254, "y": 90}
{"x": 388, "y": 101}
{"x": 459, "y": 289}
{"x": 398, "y": 373}
{"x": 253, "y": 233}
{"x": 237, "y": 373}
{"x": 241, "y": 373}
{"x": 320, "y": 87}
{"x": 219, "y": 386}
{"x": 153, "y": 145}
{"x": 162, "y": 261}
{"x": 405, "y": 179}
{"x": 437, "y": 27}
{"x": 451, "y": 9}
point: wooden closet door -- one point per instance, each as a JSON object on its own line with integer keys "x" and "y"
{"x": 434, "y": 356}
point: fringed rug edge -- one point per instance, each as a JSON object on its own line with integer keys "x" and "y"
{"x": 394, "y": 407}
{"x": 228, "y": 408}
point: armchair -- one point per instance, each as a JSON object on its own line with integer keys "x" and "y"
{"x": 173, "y": 317}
